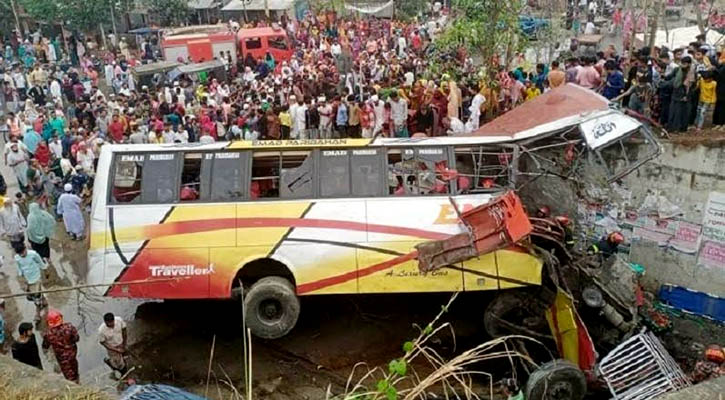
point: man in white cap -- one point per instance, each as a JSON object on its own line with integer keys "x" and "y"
{"x": 69, "y": 206}
{"x": 325, "y": 110}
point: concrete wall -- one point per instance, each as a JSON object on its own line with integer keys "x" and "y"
{"x": 713, "y": 389}
{"x": 683, "y": 176}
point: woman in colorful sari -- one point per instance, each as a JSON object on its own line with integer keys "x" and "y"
{"x": 454, "y": 100}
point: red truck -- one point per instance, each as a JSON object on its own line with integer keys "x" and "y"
{"x": 203, "y": 43}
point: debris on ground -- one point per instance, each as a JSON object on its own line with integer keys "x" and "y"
{"x": 698, "y": 303}
{"x": 641, "y": 369}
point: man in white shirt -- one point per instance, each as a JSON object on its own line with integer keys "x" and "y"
{"x": 113, "y": 336}
{"x": 409, "y": 79}
{"x": 56, "y": 92}
{"x": 56, "y": 147}
{"x": 379, "y": 110}
{"x": 399, "y": 115}
{"x": 168, "y": 135}
{"x": 325, "y": 111}
{"x": 593, "y": 6}
{"x": 336, "y": 49}
{"x": 108, "y": 73}
{"x": 180, "y": 135}
{"x": 454, "y": 126}
{"x": 299, "y": 120}
{"x": 20, "y": 83}
{"x": 402, "y": 45}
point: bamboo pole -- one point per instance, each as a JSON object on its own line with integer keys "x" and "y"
{"x": 15, "y": 14}
{"x": 208, "y": 372}
{"x": 79, "y": 287}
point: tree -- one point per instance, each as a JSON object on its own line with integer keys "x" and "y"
{"x": 410, "y": 9}
{"x": 8, "y": 16}
{"x": 168, "y": 12}
{"x": 83, "y": 15}
{"x": 484, "y": 28}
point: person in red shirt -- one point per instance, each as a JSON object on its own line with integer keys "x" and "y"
{"x": 115, "y": 129}
{"x": 416, "y": 41}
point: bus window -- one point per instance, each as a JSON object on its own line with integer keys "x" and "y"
{"x": 278, "y": 42}
{"x": 191, "y": 177}
{"x": 127, "y": 179}
{"x": 228, "y": 176}
{"x": 334, "y": 173}
{"x": 296, "y": 175}
{"x": 482, "y": 169}
{"x": 421, "y": 171}
{"x": 265, "y": 176}
{"x": 366, "y": 171}
{"x": 159, "y": 180}
{"x": 286, "y": 175}
{"x": 253, "y": 43}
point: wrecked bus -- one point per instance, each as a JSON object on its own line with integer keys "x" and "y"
{"x": 275, "y": 220}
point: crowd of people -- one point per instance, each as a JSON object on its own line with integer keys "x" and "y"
{"x": 347, "y": 78}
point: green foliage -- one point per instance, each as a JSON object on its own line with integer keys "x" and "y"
{"x": 77, "y": 14}
{"x": 398, "y": 367}
{"x": 323, "y": 5}
{"x": 409, "y": 9}
{"x": 7, "y": 20}
{"x": 42, "y": 10}
{"x": 483, "y": 28}
{"x": 408, "y": 347}
{"x": 168, "y": 12}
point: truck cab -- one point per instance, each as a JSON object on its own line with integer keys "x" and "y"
{"x": 259, "y": 41}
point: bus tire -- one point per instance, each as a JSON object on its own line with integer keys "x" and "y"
{"x": 558, "y": 379}
{"x": 271, "y": 307}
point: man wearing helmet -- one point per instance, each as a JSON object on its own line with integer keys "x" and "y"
{"x": 63, "y": 337}
{"x": 607, "y": 246}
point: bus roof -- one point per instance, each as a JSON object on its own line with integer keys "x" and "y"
{"x": 490, "y": 139}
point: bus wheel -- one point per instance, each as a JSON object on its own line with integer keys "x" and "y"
{"x": 271, "y": 307}
{"x": 516, "y": 312}
{"x": 556, "y": 380}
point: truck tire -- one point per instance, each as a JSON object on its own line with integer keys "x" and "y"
{"x": 271, "y": 307}
{"x": 556, "y": 380}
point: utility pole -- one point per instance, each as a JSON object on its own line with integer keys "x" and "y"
{"x": 103, "y": 35}
{"x": 659, "y": 7}
{"x": 113, "y": 21}
{"x": 15, "y": 14}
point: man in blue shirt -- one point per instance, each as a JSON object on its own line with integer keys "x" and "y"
{"x": 615, "y": 81}
{"x": 30, "y": 265}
